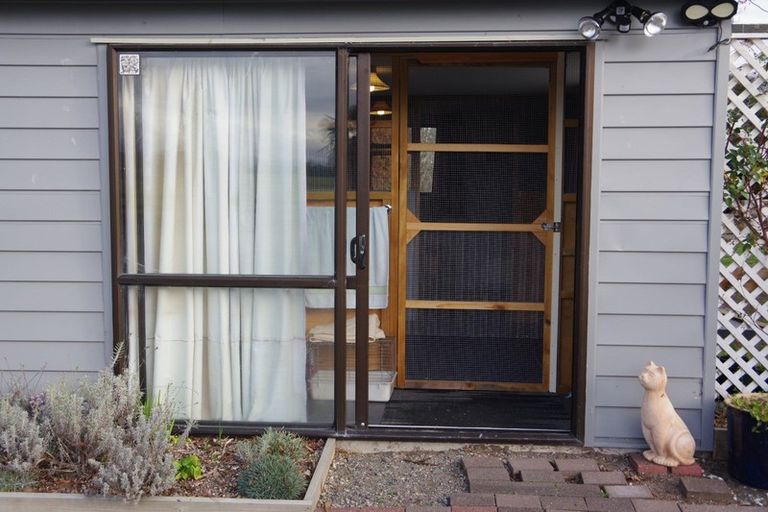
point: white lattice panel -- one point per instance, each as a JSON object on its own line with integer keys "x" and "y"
{"x": 742, "y": 359}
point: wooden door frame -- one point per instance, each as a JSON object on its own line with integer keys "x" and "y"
{"x": 553, "y": 148}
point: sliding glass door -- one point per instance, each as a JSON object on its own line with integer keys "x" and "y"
{"x": 230, "y": 196}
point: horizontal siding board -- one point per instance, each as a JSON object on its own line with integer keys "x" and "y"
{"x": 46, "y": 326}
{"x": 50, "y": 266}
{"x": 38, "y": 381}
{"x": 48, "y": 81}
{"x": 654, "y": 206}
{"x": 49, "y": 113}
{"x": 50, "y": 175}
{"x": 626, "y": 361}
{"x": 50, "y": 236}
{"x": 667, "y": 46}
{"x": 84, "y": 297}
{"x": 624, "y": 422}
{"x": 50, "y": 205}
{"x": 656, "y": 330}
{"x": 653, "y": 236}
{"x": 659, "y": 78}
{"x": 52, "y": 356}
{"x": 657, "y": 110}
{"x": 51, "y": 51}
{"x": 652, "y": 267}
{"x": 48, "y": 144}
{"x": 627, "y": 391}
{"x": 656, "y": 143}
{"x": 655, "y": 175}
{"x": 653, "y": 299}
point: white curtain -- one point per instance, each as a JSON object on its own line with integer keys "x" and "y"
{"x": 223, "y": 154}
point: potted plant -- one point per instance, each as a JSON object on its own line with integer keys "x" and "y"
{"x": 748, "y": 438}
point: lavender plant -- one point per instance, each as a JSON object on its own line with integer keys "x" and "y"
{"x": 22, "y": 443}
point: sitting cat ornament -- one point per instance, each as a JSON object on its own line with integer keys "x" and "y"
{"x": 669, "y": 439}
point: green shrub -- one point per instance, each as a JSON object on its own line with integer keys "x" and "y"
{"x": 22, "y": 443}
{"x": 272, "y": 442}
{"x": 188, "y": 467}
{"x": 756, "y": 404}
{"x": 274, "y": 477}
{"x": 12, "y": 481}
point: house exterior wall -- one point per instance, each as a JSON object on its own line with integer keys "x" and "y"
{"x": 652, "y": 281}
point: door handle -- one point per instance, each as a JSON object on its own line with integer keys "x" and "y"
{"x": 357, "y": 251}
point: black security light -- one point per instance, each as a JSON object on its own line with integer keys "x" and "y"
{"x": 708, "y": 13}
{"x": 620, "y": 13}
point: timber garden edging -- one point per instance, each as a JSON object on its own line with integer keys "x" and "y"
{"x": 43, "y": 502}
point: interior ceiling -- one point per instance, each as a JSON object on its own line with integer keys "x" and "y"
{"x": 477, "y": 80}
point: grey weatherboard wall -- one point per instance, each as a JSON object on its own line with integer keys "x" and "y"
{"x": 655, "y": 186}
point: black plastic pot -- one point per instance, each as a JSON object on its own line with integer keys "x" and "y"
{"x": 747, "y": 449}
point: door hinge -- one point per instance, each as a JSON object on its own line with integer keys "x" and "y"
{"x": 551, "y": 226}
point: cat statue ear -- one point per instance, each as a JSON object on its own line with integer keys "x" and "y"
{"x": 668, "y": 438}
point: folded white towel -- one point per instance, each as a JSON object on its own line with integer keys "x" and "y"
{"x": 325, "y": 332}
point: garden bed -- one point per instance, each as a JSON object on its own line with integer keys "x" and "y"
{"x": 218, "y": 492}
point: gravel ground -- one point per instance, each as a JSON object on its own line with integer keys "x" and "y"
{"x": 429, "y": 477}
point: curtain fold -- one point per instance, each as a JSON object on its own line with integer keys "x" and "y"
{"x": 223, "y": 157}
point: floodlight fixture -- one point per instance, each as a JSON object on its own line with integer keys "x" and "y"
{"x": 620, "y": 14}
{"x": 703, "y": 13}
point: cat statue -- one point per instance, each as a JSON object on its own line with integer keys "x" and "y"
{"x": 669, "y": 439}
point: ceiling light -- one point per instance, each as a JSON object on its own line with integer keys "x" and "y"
{"x": 620, "y": 13}
{"x": 377, "y": 84}
{"x": 705, "y": 13}
{"x": 381, "y": 108}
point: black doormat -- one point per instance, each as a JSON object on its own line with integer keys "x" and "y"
{"x": 478, "y": 409}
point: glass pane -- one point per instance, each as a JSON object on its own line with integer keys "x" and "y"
{"x": 478, "y": 104}
{"x": 219, "y": 152}
{"x": 506, "y": 188}
{"x": 238, "y": 354}
{"x": 479, "y": 346}
{"x": 476, "y": 266}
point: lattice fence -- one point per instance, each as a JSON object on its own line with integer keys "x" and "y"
{"x": 742, "y": 361}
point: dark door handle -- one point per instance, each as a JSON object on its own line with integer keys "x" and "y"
{"x": 357, "y": 251}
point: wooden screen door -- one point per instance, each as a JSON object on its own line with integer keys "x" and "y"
{"x": 478, "y": 231}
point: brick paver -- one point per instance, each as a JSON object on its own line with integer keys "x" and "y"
{"x": 518, "y": 464}
{"x": 491, "y": 486}
{"x": 706, "y": 489}
{"x": 644, "y": 505}
{"x": 555, "y": 489}
{"x": 473, "y": 509}
{"x": 627, "y": 491}
{"x": 603, "y": 477}
{"x": 427, "y": 508}
{"x": 609, "y": 504}
{"x": 645, "y": 467}
{"x": 575, "y": 466}
{"x": 685, "y": 507}
{"x": 477, "y": 473}
{"x": 473, "y": 499}
{"x": 563, "y": 503}
{"x": 518, "y": 501}
{"x": 690, "y": 470}
{"x": 538, "y": 475}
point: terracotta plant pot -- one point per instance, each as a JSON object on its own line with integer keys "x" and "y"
{"x": 747, "y": 444}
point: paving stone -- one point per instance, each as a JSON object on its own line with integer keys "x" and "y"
{"x": 537, "y": 475}
{"x": 518, "y": 464}
{"x": 491, "y": 486}
{"x": 367, "y": 509}
{"x": 720, "y": 508}
{"x": 474, "y": 461}
{"x": 645, "y": 467}
{"x": 689, "y": 470}
{"x": 655, "y": 505}
{"x": 603, "y": 477}
{"x": 563, "y": 503}
{"x": 627, "y": 491}
{"x": 473, "y": 500}
{"x": 518, "y": 501}
{"x": 515, "y": 509}
{"x": 555, "y": 489}
{"x": 575, "y": 466}
{"x": 473, "y": 509}
{"x": 427, "y": 508}
{"x": 477, "y": 473}
{"x": 705, "y": 489}
{"x": 609, "y": 504}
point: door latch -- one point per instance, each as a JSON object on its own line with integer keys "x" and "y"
{"x": 551, "y": 226}
{"x": 358, "y": 250}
